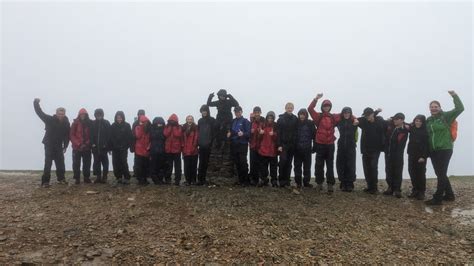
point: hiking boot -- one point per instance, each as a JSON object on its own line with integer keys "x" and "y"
{"x": 45, "y": 185}
{"x": 319, "y": 187}
{"x": 126, "y": 182}
{"x": 103, "y": 180}
{"x": 330, "y": 189}
{"x": 98, "y": 180}
{"x": 420, "y": 196}
{"x": 308, "y": 185}
{"x": 398, "y": 194}
{"x": 433, "y": 202}
{"x": 77, "y": 181}
{"x": 87, "y": 180}
{"x": 449, "y": 198}
{"x": 413, "y": 194}
{"x": 62, "y": 182}
{"x": 388, "y": 192}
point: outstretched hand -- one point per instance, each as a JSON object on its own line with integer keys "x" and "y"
{"x": 212, "y": 94}
{"x": 452, "y": 93}
{"x": 319, "y": 96}
{"x": 37, "y": 100}
{"x": 379, "y": 110}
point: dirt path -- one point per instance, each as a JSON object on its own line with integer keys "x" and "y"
{"x": 96, "y": 224}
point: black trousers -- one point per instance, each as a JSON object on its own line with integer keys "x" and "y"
{"x": 285, "y": 165}
{"x": 190, "y": 168}
{"x": 302, "y": 166}
{"x": 388, "y": 170}
{"x": 395, "y": 163}
{"x": 53, "y": 154}
{"x": 101, "y": 164}
{"x": 417, "y": 173}
{"x": 85, "y": 157}
{"x": 254, "y": 166}
{"x": 346, "y": 166}
{"x": 440, "y": 160}
{"x": 158, "y": 167}
{"x": 239, "y": 153}
{"x": 370, "y": 162}
{"x": 174, "y": 159}
{"x": 120, "y": 164}
{"x": 325, "y": 155}
{"x": 268, "y": 165}
{"x": 204, "y": 154}
{"x": 141, "y": 167}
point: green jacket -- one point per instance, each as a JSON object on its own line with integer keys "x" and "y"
{"x": 439, "y": 127}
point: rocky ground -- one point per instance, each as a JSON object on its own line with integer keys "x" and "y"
{"x": 97, "y": 224}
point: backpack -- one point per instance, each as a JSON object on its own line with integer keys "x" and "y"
{"x": 453, "y": 129}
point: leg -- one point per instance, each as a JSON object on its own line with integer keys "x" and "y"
{"x": 204, "y": 154}
{"x": 60, "y": 166}
{"x": 388, "y": 176}
{"x": 96, "y": 165}
{"x": 177, "y": 169}
{"x": 86, "y": 165}
{"x": 297, "y": 168}
{"x": 329, "y": 159}
{"x": 76, "y": 165}
{"x": 307, "y": 168}
{"x": 319, "y": 166}
{"x": 273, "y": 170}
{"x": 341, "y": 165}
{"x": 48, "y": 161}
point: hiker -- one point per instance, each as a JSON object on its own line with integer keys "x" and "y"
{"x": 268, "y": 151}
{"x": 346, "y": 150}
{"x": 224, "y": 106}
{"x": 286, "y": 140}
{"x": 190, "y": 150}
{"x": 371, "y": 145}
{"x": 396, "y": 149}
{"x": 440, "y": 133}
{"x": 100, "y": 133}
{"x": 303, "y": 149}
{"x": 417, "y": 155}
{"x": 159, "y": 162}
{"x": 81, "y": 146}
{"x": 173, "y": 146}
{"x": 257, "y": 122}
{"x": 55, "y": 140}
{"x": 207, "y": 130}
{"x": 239, "y": 135}
{"x": 141, "y": 164}
{"x": 121, "y": 139}
{"x": 325, "y": 123}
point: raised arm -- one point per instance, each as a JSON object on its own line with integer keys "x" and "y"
{"x": 44, "y": 117}
{"x": 458, "y": 108}
{"x": 233, "y": 101}
{"x": 312, "y": 105}
{"x": 210, "y": 102}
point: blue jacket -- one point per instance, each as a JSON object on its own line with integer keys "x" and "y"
{"x": 240, "y": 124}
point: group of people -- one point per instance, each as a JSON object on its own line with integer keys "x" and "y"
{"x": 276, "y": 145}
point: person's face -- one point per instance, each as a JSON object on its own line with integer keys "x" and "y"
{"x": 60, "y": 115}
{"x": 371, "y": 118}
{"x": 238, "y": 114}
{"x": 289, "y": 109}
{"x": 418, "y": 123}
{"x": 204, "y": 113}
{"x": 302, "y": 117}
{"x": 189, "y": 120}
{"x": 435, "y": 108}
{"x": 346, "y": 115}
{"x": 398, "y": 122}
{"x": 257, "y": 114}
{"x": 82, "y": 116}
{"x": 221, "y": 97}
{"x": 119, "y": 119}
{"x": 99, "y": 117}
{"x": 326, "y": 108}
{"x": 270, "y": 119}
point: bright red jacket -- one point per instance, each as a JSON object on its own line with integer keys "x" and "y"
{"x": 142, "y": 137}
{"x": 254, "y": 133}
{"x": 325, "y": 123}
{"x": 190, "y": 140}
{"x": 80, "y": 132}
{"x": 268, "y": 143}
{"x": 174, "y": 135}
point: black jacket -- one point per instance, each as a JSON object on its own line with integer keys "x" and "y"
{"x": 373, "y": 135}
{"x": 100, "y": 136}
{"x": 224, "y": 107}
{"x": 157, "y": 137}
{"x": 287, "y": 126}
{"x": 121, "y": 137}
{"x": 347, "y": 131}
{"x": 207, "y": 131}
{"x": 397, "y": 142}
{"x": 57, "y": 132}
{"x": 305, "y": 133}
{"x": 418, "y": 145}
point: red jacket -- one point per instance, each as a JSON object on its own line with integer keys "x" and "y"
{"x": 174, "y": 135}
{"x": 254, "y": 133}
{"x": 80, "y": 132}
{"x": 190, "y": 140}
{"x": 268, "y": 144}
{"x": 142, "y": 137}
{"x": 325, "y": 123}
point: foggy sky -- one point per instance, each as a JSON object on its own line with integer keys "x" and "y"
{"x": 167, "y": 57}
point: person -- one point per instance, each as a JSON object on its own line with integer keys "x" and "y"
{"x": 346, "y": 150}
{"x": 135, "y": 123}
{"x": 81, "y": 146}
{"x": 142, "y": 150}
{"x": 239, "y": 134}
{"x": 157, "y": 151}
{"x": 190, "y": 150}
{"x": 371, "y": 145}
{"x": 55, "y": 140}
{"x": 286, "y": 141}
{"x": 224, "y": 106}
{"x": 417, "y": 155}
{"x": 268, "y": 151}
{"x": 257, "y": 122}
{"x": 100, "y": 132}
{"x": 441, "y": 146}
{"x": 303, "y": 150}
{"x": 121, "y": 139}
{"x": 396, "y": 149}
{"x": 207, "y": 130}
{"x": 325, "y": 123}
{"x": 173, "y": 146}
